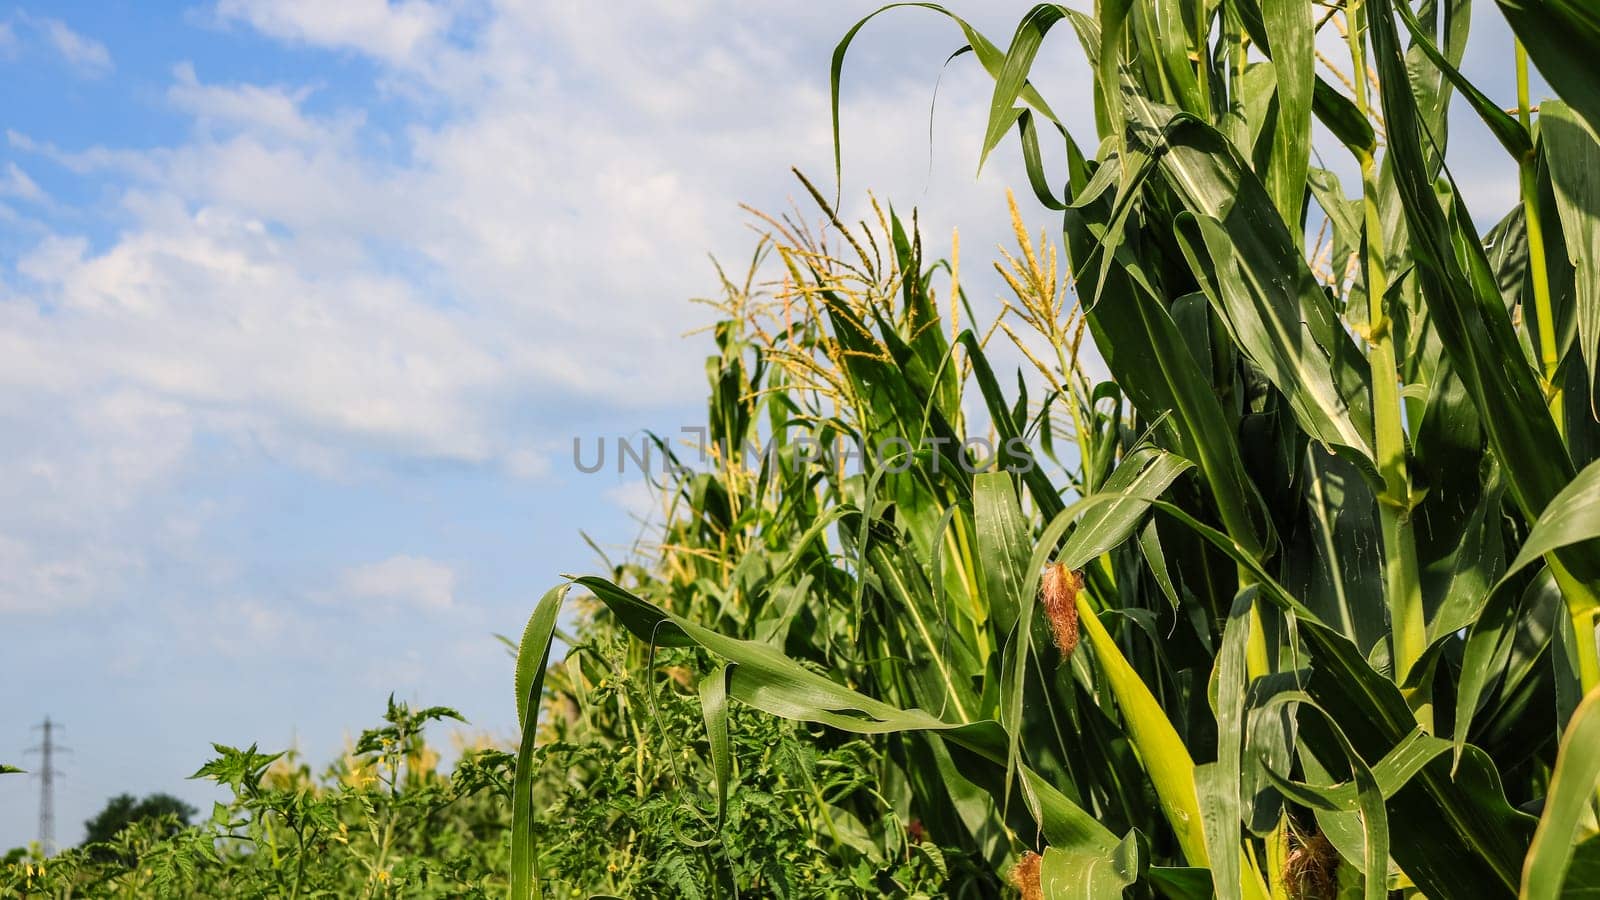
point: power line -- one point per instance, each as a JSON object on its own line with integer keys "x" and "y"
{"x": 47, "y": 750}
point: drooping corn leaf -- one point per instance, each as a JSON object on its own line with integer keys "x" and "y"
{"x": 1068, "y": 874}
{"x": 1506, "y": 129}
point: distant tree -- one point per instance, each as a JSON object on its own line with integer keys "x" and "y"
{"x": 124, "y": 810}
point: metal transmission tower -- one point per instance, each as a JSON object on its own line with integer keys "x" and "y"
{"x": 47, "y": 751}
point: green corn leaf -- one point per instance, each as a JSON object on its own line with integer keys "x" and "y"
{"x": 989, "y": 56}
{"x": 1066, "y": 874}
{"x": 1464, "y": 302}
{"x": 1182, "y": 882}
{"x": 944, "y": 667}
{"x": 1112, "y": 17}
{"x": 1563, "y": 39}
{"x": 1342, "y": 117}
{"x": 1003, "y": 549}
{"x": 1150, "y": 549}
{"x": 1571, "y": 517}
{"x": 1013, "y": 75}
{"x": 1573, "y": 155}
{"x": 714, "y": 708}
{"x": 1262, "y": 287}
{"x": 769, "y": 681}
{"x": 1389, "y": 775}
{"x": 1288, "y": 28}
{"x": 1149, "y": 474}
{"x": 1481, "y": 849}
{"x": 1476, "y": 848}
{"x": 533, "y": 655}
{"x": 1147, "y": 353}
{"x": 1120, "y": 504}
{"x": 1044, "y": 495}
{"x": 1369, "y": 808}
{"x": 1572, "y": 793}
{"x": 1265, "y": 320}
{"x": 1337, "y": 572}
{"x": 1173, "y": 35}
{"x": 1507, "y": 130}
{"x": 1333, "y": 108}
{"x": 1584, "y": 870}
{"x": 1220, "y": 783}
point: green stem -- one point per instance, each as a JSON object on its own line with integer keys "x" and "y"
{"x": 1524, "y": 110}
{"x": 1403, "y": 584}
{"x": 1583, "y": 607}
{"x": 1588, "y": 653}
{"x": 1583, "y": 629}
{"x": 299, "y": 865}
{"x": 1549, "y": 356}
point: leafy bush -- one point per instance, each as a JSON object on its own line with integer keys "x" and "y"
{"x": 382, "y": 821}
{"x": 125, "y": 810}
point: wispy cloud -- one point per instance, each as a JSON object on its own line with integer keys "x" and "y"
{"x": 414, "y": 581}
{"x": 86, "y": 55}
{"x": 260, "y": 109}
{"x": 15, "y": 183}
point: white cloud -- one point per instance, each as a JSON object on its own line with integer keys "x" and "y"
{"x": 272, "y": 111}
{"x": 36, "y": 578}
{"x": 333, "y": 292}
{"x": 636, "y": 498}
{"x": 545, "y": 248}
{"x": 15, "y": 183}
{"x": 85, "y": 54}
{"x": 76, "y": 472}
{"x": 92, "y": 160}
{"x": 212, "y": 310}
{"x": 393, "y": 32}
{"x": 241, "y": 628}
{"x": 415, "y": 581}
{"x": 526, "y": 463}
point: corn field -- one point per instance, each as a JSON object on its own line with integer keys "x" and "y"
{"x": 1294, "y": 597}
{"x": 1250, "y": 547}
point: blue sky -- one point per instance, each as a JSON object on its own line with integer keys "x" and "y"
{"x": 301, "y": 305}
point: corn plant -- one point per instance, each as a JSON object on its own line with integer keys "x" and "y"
{"x": 1300, "y": 599}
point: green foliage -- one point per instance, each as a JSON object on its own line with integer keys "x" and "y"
{"x": 629, "y": 810}
{"x": 631, "y": 806}
{"x": 380, "y": 822}
{"x": 1332, "y": 496}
